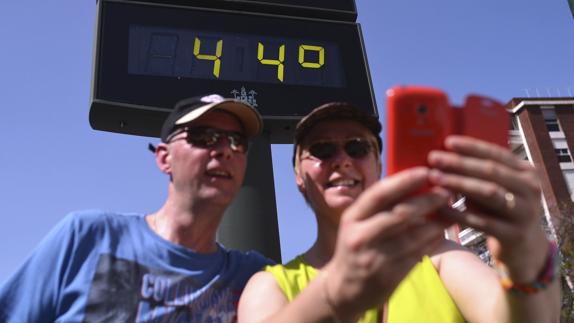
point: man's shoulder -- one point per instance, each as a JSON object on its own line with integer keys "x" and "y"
{"x": 240, "y": 266}
{"x": 98, "y": 216}
{"x": 93, "y": 219}
{"x": 250, "y": 258}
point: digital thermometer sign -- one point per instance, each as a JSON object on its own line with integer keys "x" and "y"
{"x": 149, "y": 56}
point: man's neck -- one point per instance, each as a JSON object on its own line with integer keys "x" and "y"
{"x": 192, "y": 225}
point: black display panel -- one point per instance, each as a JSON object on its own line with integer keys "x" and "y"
{"x": 150, "y": 56}
{"x": 189, "y": 53}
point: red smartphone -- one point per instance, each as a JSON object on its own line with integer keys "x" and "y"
{"x": 486, "y": 119}
{"x": 418, "y": 120}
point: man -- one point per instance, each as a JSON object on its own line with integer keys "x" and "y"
{"x": 164, "y": 266}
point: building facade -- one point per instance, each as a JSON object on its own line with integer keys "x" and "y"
{"x": 543, "y": 132}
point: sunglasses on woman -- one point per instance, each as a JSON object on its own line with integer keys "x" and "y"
{"x": 355, "y": 148}
{"x": 205, "y": 137}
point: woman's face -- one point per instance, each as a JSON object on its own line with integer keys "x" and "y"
{"x": 331, "y": 184}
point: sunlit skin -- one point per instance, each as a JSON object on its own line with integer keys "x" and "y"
{"x": 337, "y": 182}
{"x": 203, "y": 182}
{"x": 207, "y": 174}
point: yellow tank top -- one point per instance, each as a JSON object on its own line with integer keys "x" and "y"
{"x": 420, "y": 297}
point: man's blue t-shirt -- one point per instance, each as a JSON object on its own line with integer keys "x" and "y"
{"x": 107, "y": 267}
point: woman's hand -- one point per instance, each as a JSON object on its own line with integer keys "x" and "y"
{"x": 381, "y": 237}
{"x": 503, "y": 199}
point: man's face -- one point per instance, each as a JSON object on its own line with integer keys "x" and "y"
{"x": 213, "y": 174}
{"x": 332, "y": 184}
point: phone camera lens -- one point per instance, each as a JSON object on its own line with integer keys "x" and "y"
{"x": 422, "y": 109}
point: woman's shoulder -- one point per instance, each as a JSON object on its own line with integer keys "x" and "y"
{"x": 291, "y": 277}
{"x": 295, "y": 264}
{"x": 448, "y": 250}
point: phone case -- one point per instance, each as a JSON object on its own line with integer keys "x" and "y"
{"x": 418, "y": 120}
{"x": 486, "y": 119}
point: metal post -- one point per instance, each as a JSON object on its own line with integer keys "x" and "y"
{"x": 250, "y": 222}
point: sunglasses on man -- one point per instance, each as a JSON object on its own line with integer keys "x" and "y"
{"x": 205, "y": 137}
{"x": 355, "y": 148}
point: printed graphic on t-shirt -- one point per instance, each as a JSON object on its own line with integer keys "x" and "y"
{"x": 126, "y": 291}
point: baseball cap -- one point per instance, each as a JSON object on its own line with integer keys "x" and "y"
{"x": 191, "y": 109}
{"x": 336, "y": 111}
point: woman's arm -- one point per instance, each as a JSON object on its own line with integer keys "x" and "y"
{"x": 503, "y": 199}
{"x": 477, "y": 292}
{"x": 263, "y": 301}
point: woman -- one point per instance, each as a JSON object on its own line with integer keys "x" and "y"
{"x": 380, "y": 257}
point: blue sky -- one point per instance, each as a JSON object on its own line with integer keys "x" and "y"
{"x": 52, "y": 162}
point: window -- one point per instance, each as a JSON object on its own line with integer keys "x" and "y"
{"x": 552, "y": 125}
{"x": 551, "y": 120}
{"x": 514, "y": 123}
{"x": 563, "y": 155}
